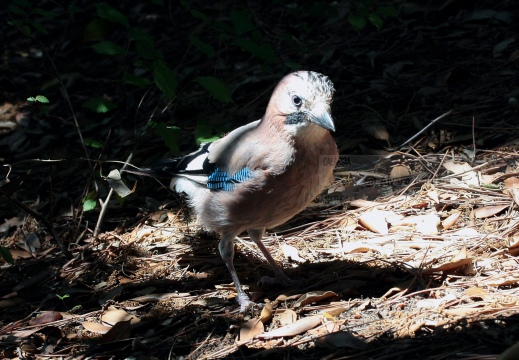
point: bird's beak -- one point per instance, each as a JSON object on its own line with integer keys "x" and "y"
{"x": 320, "y": 115}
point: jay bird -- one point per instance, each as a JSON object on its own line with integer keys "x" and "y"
{"x": 261, "y": 174}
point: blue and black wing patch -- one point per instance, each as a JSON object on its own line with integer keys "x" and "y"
{"x": 221, "y": 180}
{"x": 197, "y": 167}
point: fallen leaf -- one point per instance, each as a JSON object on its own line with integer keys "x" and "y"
{"x": 375, "y": 221}
{"x": 451, "y": 220}
{"x": 468, "y": 176}
{"x": 266, "y": 312}
{"x": 313, "y": 296}
{"x": 46, "y": 317}
{"x": 120, "y": 331}
{"x": 114, "y": 316}
{"x": 299, "y": 327}
{"x": 433, "y": 195}
{"x": 399, "y": 171}
{"x": 477, "y": 292}
{"x": 434, "y": 303}
{"x": 488, "y": 211}
{"x": 249, "y": 330}
{"x": 287, "y": 317}
{"x": 95, "y": 327}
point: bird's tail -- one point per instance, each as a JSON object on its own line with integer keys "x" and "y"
{"x": 165, "y": 168}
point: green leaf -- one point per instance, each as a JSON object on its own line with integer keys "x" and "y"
{"x": 241, "y": 21}
{"x": 202, "y": 46}
{"x": 199, "y": 15}
{"x": 165, "y": 79}
{"x": 99, "y": 105}
{"x": 358, "y": 22}
{"x": 6, "y": 255}
{"x": 46, "y": 14}
{"x": 216, "y": 88}
{"x": 13, "y": 9}
{"x": 261, "y": 50}
{"x": 169, "y": 134}
{"x": 26, "y": 30}
{"x": 39, "y": 98}
{"x": 73, "y": 10}
{"x": 97, "y": 29}
{"x": 89, "y": 205}
{"x": 38, "y": 27}
{"x": 108, "y": 48}
{"x": 204, "y": 133}
{"x": 376, "y": 20}
{"x": 90, "y": 201}
{"x": 22, "y": 3}
{"x": 93, "y": 143}
{"x": 136, "y": 80}
{"x": 145, "y": 44}
{"x": 62, "y": 297}
{"x": 139, "y": 34}
{"x": 390, "y": 11}
{"x": 147, "y": 50}
{"x": 109, "y": 13}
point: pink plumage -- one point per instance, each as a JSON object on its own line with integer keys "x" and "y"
{"x": 263, "y": 173}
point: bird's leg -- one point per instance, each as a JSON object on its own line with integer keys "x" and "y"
{"x": 279, "y": 276}
{"x": 226, "y": 247}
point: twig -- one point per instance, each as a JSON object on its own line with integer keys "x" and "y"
{"x": 104, "y": 204}
{"x": 425, "y": 128}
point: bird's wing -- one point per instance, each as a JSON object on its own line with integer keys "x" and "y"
{"x": 209, "y": 165}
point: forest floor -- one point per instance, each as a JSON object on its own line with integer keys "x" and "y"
{"x": 411, "y": 253}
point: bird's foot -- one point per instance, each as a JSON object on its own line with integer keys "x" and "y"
{"x": 244, "y": 301}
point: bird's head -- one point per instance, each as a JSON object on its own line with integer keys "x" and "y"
{"x": 300, "y": 100}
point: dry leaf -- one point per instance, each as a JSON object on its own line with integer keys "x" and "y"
{"x": 375, "y": 221}
{"x": 120, "y": 331}
{"x": 451, "y": 220}
{"x": 511, "y": 182}
{"x": 249, "y": 330}
{"x": 95, "y": 327}
{"x": 434, "y": 303}
{"x": 514, "y": 192}
{"x": 299, "y": 327}
{"x": 488, "y": 211}
{"x": 477, "y": 292}
{"x": 113, "y": 316}
{"x": 283, "y": 297}
{"x": 468, "y": 176}
{"x": 313, "y": 296}
{"x": 428, "y": 224}
{"x": 449, "y": 266}
{"x": 376, "y": 129}
{"x": 399, "y": 171}
{"x": 287, "y": 317}
{"x": 266, "y": 312}
{"x": 433, "y": 195}
{"x": 348, "y": 223}
{"x": 46, "y": 317}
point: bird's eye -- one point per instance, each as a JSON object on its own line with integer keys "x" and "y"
{"x": 297, "y": 100}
